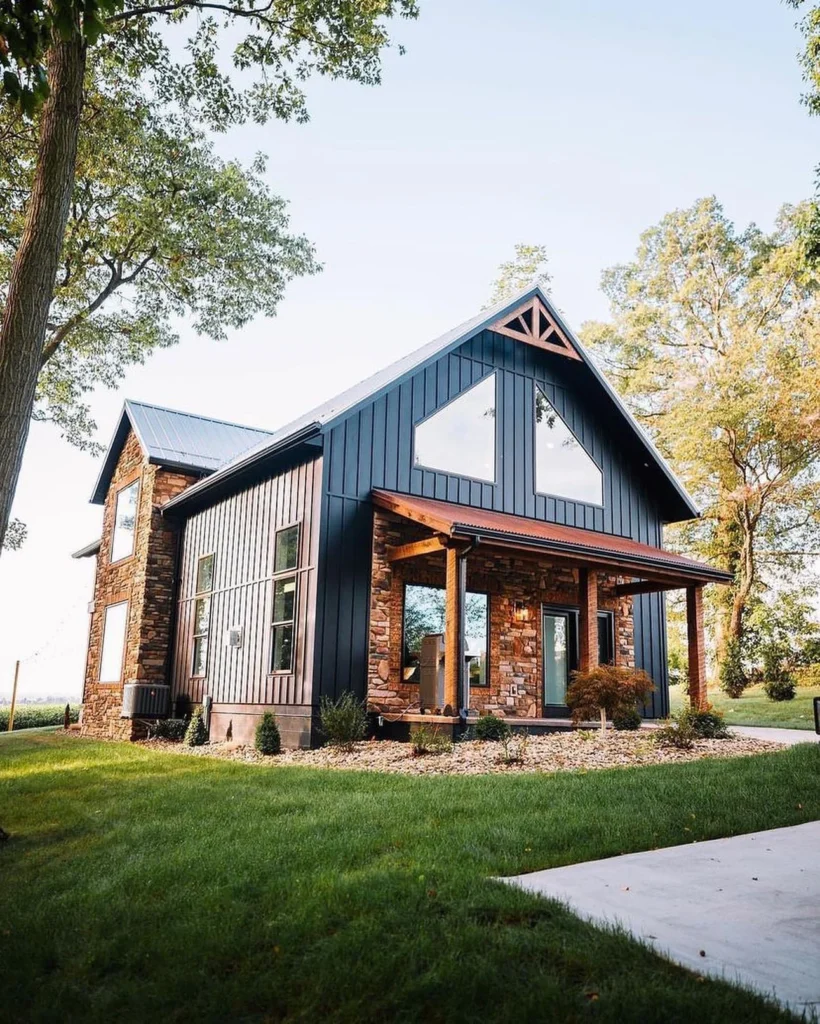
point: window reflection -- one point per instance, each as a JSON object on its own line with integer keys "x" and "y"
{"x": 125, "y": 519}
{"x": 424, "y": 614}
{"x": 460, "y": 437}
{"x": 562, "y": 466}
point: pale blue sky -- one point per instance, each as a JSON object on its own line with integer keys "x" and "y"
{"x": 571, "y": 123}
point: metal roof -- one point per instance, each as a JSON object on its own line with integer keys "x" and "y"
{"x": 325, "y": 415}
{"x": 179, "y": 440}
{"x": 460, "y": 520}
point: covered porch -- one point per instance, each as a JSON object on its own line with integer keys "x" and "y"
{"x": 520, "y": 605}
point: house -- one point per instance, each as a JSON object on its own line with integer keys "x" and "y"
{"x": 490, "y": 487}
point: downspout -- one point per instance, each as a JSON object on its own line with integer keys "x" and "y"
{"x": 463, "y": 689}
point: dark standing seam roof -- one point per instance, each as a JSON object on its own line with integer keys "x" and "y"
{"x": 367, "y": 390}
{"x": 180, "y": 440}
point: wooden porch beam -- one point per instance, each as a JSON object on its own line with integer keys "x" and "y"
{"x": 697, "y": 647}
{"x": 650, "y": 586}
{"x": 588, "y": 619}
{"x": 418, "y": 547}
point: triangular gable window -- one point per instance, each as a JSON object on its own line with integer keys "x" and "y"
{"x": 460, "y": 437}
{"x": 562, "y": 467}
{"x": 533, "y": 324}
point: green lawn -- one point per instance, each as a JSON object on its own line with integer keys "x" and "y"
{"x": 755, "y": 708}
{"x": 140, "y": 886}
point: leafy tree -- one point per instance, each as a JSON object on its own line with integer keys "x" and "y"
{"x": 783, "y": 628}
{"x": 527, "y": 267}
{"x": 608, "y": 691}
{"x": 810, "y": 64}
{"x": 715, "y": 343}
{"x": 47, "y": 53}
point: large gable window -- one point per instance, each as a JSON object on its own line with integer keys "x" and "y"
{"x": 460, "y": 437}
{"x": 562, "y": 467}
{"x": 125, "y": 521}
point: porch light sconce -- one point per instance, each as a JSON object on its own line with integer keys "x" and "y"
{"x": 521, "y": 612}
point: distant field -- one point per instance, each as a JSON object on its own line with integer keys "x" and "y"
{"x": 35, "y": 716}
{"x": 753, "y": 707}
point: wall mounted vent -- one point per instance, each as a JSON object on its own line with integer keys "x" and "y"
{"x": 234, "y": 636}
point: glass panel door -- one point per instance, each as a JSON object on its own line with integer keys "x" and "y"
{"x": 556, "y": 646}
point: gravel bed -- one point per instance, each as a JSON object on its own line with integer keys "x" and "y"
{"x": 556, "y": 752}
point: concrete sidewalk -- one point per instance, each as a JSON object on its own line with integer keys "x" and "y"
{"x": 787, "y": 736}
{"x": 746, "y": 909}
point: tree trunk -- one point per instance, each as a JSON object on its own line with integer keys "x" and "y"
{"x": 31, "y": 284}
{"x": 743, "y": 587}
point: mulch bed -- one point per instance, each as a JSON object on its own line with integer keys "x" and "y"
{"x": 557, "y": 752}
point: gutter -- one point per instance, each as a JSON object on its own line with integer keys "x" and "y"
{"x": 235, "y": 469}
{"x": 517, "y": 539}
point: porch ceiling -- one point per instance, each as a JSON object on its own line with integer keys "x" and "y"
{"x": 583, "y": 547}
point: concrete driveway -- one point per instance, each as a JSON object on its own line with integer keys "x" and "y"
{"x": 746, "y": 909}
{"x": 788, "y": 736}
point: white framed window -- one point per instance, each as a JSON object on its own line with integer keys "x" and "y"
{"x": 563, "y": 467}
{"x": 286, "y": 548}
{"x": 459, "y": 438}
{"x": 125, "y": 521}
{"x": 284, "y": 624}
{"x": 115, "y": 624}
{"x": 202, "y": 614}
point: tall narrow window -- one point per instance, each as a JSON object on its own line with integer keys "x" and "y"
{"x": 202, "y": 614}
{"x": 562, "y": 466}
{"x": 125, "y": 521}
{"x": 424, "y": 614}
{"x": 286, "y": 549}
{"x": 284, "y": 615}
{"x": 115, "y": 622}
{"x": 460, "y": 437}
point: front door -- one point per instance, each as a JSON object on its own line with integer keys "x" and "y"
{"x": 560, "y": 648}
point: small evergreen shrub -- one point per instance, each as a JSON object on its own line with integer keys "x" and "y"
{"x": 733, "y": 678}
{"x": 627, "y": 720}
{"x": 706, "y": 724}
{"x": 606, "y": 691}
{"x": 268, "y": 740}
{"x": 491, "y": 727}
{"x": 344, "y": 721}
{"x": 170, "y": 729}
{"x": 781, "y": 688}
{"x": 426, "y": 740}
{"x": 679, "y": 734}
{"x": 196, "y": 734}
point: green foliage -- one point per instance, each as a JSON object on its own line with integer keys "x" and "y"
{"x": 527, "y": 267}
{"x": 426, "y": 739}
{"x": 780, "y": 688}
{"x": 733, "y": 678}
{"x": 170, "y": 729}
{"x": 613, "y": 689}
{"x": 807, "y": 675}
{"x": 37, "y": 716}
{"x": 514, "y": 747}
{"x": 268, "y": 740}
{"x": 491, "y": 727}
{"x": 196, "y": 734}
{"x": 706, "y": 723}
{"x": 627, "y": 720}
{"x": 678, "y": 733}
{"x": 344, "y": 721}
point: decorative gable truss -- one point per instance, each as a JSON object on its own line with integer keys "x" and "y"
{"x": 532, "y": 324}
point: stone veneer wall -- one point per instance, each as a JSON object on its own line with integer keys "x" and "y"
{"x": 515, "y": 647}
{"x": 146, "y": 580}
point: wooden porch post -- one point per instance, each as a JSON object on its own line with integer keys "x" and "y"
{"x": 452, "y": 631}
{"x": 588, "y": 619}
{"x": 697, "y": 649}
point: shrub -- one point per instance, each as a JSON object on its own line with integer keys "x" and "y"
{"x": 733, "y": 679}
{"x": 344, "y": 722}
{"x": 807, "y": 675}
{"x": 679, "y": 733}
{"x": 706, "y": 723}
{"x": 627, "y": 720}
{"x": 491, "y": 727}
{"x": 268, "y": 740}
{"x": 196, "y": 734}
{"x": 170, "y": 729}
{"x": 781, "y": 688}
{"x": 606, "y": 691}
{"x": 514, "y": 749}
{"x": 426, "y": 740}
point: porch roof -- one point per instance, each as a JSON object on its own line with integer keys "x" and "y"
{"x": 587, "y": 547}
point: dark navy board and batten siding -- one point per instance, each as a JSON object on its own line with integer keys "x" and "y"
{"x": 240, "y": 531}
{"x": 372, "y": 447}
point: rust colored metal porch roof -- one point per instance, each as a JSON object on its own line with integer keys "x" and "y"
{"x": 629, "y": 556}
